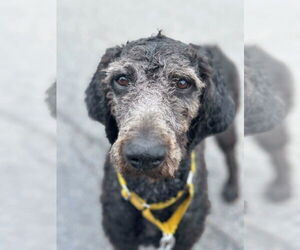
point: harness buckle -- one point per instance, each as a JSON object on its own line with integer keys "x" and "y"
{"x": 167, "y": 242}
{"x": 190, "y": 178}
{"x": 146, "y": 205}
{"x": 127, "y": 192}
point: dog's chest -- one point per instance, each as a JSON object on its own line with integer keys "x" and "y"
{"x": 159, "y": 191}
{"x": 150, "y": 234}
{"x": 150, "y": 230}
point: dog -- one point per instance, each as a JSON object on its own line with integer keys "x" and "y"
{"x": 158, "y": 99}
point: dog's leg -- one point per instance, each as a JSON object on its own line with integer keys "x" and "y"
{"x": 192, "y": 225}
{"x": 274, "y": 143}
{"x": 227, "y": 142}
{"x": 192, "y": 235}
{"x": 121, "y": 221}
{"x": 193, "y": 222}
{"x": 120, "y": 224}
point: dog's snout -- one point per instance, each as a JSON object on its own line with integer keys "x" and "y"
{"x": 144, "y": 153}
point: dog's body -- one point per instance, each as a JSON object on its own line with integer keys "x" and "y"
{"x": 126, "y": 227}
{"x": 158, "y": 99}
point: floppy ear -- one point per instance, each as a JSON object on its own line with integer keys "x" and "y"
{"x": 95, "y": 95}
{"x": 218, "y": 105}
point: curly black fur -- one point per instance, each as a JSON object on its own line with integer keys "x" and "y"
{"x": 213, "y": 67}
{"x": 122, "y": 223}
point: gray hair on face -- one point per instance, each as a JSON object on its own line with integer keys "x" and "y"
{"x": 151, "y": 106}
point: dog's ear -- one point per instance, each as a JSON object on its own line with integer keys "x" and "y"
{"x": 218, "y": 107}
{"x": 95, "y": 94}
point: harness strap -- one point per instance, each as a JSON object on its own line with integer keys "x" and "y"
{"x": 168, "y": 227}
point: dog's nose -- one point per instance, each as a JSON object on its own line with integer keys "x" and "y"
{"x": 144, "y": 153}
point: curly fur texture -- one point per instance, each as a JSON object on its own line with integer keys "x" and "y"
{"x": 152, "y": 105}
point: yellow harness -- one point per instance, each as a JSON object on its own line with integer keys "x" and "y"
{"x": 170, "y": 226}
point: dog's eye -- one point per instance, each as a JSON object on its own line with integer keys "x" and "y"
{"x": 122, "y": 81}
{"x": 183, "y": 84}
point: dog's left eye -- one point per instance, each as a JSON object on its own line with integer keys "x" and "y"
{"x": 122, "y": 81}
{"x": 183, "y": 84}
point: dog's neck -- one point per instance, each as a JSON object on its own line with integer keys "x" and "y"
{"x": 162, "y": 189}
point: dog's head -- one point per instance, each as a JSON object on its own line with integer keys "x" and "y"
{"x": 157, "y": 100}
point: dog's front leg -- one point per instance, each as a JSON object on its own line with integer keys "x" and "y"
{"x": 193, "y": 223}
{"x": 120, "y": 222}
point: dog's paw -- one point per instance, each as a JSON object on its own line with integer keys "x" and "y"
{"x": 278, "y": 191}
{"x": 230, "y": 192}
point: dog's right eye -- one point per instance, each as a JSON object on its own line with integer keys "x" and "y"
{"x": 122, "y": 81}
{"x": 183, "y": 84}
